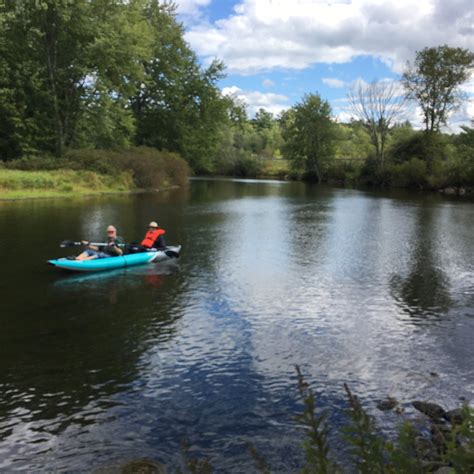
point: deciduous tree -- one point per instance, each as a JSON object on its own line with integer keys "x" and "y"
{"x": 379, "y": 106}
{"x": 309, "y": 135}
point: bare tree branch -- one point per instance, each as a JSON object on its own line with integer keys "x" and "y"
{"x": 380, "y": 105}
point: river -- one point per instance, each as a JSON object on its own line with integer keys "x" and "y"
{"x": 375, "y": 289}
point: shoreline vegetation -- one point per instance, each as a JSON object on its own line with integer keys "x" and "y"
{"x": 73, "y": 97}
{"x": 425, "y": 438}
{"x": 92, "y": 172}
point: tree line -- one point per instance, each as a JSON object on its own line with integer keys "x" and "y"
{"x": 116, "y": 74}
{"x": 103, "y": 74}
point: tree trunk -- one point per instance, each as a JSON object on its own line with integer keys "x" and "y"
{"x": 50, "y": 43}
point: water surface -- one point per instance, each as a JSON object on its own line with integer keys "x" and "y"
{"x": 372, "y": 289}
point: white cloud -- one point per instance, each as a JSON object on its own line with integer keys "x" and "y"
{"x": 268, "y": 83}
{"x": 191, "y": 7}
{"x": 262, "y": 35}
{"x": 254, "y": 100}
{"x": 334, "y": 82}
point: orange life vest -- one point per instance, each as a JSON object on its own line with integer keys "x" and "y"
{"x": 151, "y": 236}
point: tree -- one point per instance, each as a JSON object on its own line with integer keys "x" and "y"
{"x": 309, "y": 135}
{"x": 67, "y": 69}
{"x": 379, "y": 106}
{"x": 433, "y": 80}
{"x": 178, "y": 106}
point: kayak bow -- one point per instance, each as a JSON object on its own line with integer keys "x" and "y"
{"x": 111, "y": 263}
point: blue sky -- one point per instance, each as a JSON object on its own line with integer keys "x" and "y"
{"x": 278, "y": 50}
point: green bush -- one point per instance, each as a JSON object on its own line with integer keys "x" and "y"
{"x": 343, "y": 171}
{"x": 149, "y": 167}
{"x": 35, "y": 163}
{"x": 410, "y": 174}
{"x": 246, "y": 167}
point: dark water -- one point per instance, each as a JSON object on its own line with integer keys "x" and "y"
{"x": 371, "y": 289}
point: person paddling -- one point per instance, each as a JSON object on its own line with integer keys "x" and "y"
{"x": 154, "y": 237}
{"x": 111, "y": 249}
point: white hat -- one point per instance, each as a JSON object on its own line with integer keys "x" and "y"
{"x": 152, "y": 224}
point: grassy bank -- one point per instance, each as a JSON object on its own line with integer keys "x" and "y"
{"x": 18, "y": 184}
{"x": 82, "y": 172}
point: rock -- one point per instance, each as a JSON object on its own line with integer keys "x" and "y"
{"x": 388, "y": 404}
{"x": 449, "y": 191}
{"x": 461, "y": 191}
{"x": 431, "y": 410}
{"x": 455, "y": 417}
{"x": 434, "y": 374}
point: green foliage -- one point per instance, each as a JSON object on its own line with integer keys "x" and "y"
{"x": 460, "y": 444}
{"x": 104, "y": 74}
{"x": 404, "y": 456}
{"x": 411, "y": 452}
{"x": 352, "y": 141}
{"x": 309, "y": 135}
{"x": 148, "y": 168}
{"x": 434, "y": 79}
{"x": 20, "y": 183}
{"x": 177, "y": 106}
{"x": 316, "y": 444}
{"x": 61, "y": 61}
{"x": 410, "y": 174}
{"x": 247, "y": 148}
{"x": 368, "y": 447}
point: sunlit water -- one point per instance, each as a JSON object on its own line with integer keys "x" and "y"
{"x": 372, "y": 289}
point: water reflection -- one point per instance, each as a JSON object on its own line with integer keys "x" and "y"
{"x": 423, "y": 289}
{"x": 99, "y": 368}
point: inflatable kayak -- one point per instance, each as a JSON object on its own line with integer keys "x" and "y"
{"x": 111, "y": 263}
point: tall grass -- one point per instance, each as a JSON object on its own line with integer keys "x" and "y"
{"x": 92, "y": 170}
{"x": 424, "y": 447}
{"x": 20, "y": 183}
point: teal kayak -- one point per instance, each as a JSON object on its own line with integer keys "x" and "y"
{"x": 111, "y": 263}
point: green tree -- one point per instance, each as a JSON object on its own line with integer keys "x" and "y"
{"x": 433, "y": 80}
{"x": 309, "y": 135}
{"x": 178, "y": 106}
{"x": 68, "y": 67}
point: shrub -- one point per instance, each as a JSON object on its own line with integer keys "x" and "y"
{"x": 35, "y": 163}
{"x": 149, "y": 167}
{"x": 411, "y": 174}
{"x": 343, "y": 171}
{"x": 246, "y": 167}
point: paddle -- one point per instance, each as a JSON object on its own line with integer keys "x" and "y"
{"x": 171, "y": 254}
{"x": 71, "y": 243}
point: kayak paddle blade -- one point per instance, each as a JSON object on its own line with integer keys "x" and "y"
{"x": 68, "y": 243}
{"x": 171, "y": 254}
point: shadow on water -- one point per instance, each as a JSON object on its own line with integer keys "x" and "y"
{"x": 423, "y": 292}
{"x": 86, "y": 351}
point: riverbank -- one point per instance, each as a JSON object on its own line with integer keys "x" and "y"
{"x": 45, "y": 185}
{"x": 89, "y": 172}
{"x": 445, "y": 178}
{"x": 19, "y": 184}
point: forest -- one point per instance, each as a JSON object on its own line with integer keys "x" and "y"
{"x": 112, "y": 88}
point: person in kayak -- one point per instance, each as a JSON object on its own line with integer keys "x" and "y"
{"x": 111, "y": 249}
{"x": 154, "y": 237}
